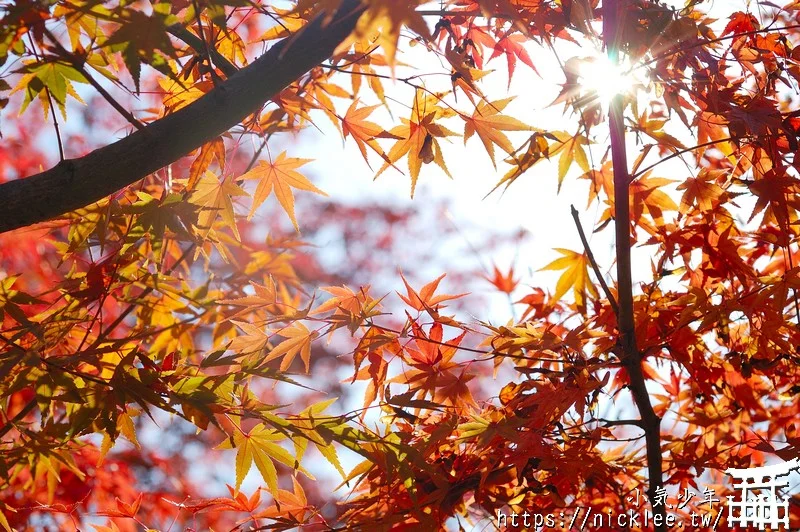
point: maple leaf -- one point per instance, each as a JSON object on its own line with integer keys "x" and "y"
{"x": 298, "y": 340}
{"x": 364, "y": 132}
{"x": 576, "y": 276}
{"x": 487, "y": 122}
{"x": 512, "y": 47}
{"x": 571, "y": 151}
{"x": 504, "y": 282}
{"x": 647, "y": 196}
{"x": 288, "y": 22}
{"x": 387, "y": 19}
{"x": 258, "y": 445}
{"x": 307, "y": 421}
{"x": 363, "y": 58}
{"x": 3, "y": 519}
{"x": 418, "y": 137}
{"x": 425, "y": 298}
{"x": 350, "y": 308}
{"x": 155, "y": 217}
{"x": 214, "y": 198}
{"x": 376, "y": 373}
{"x": 280, "y": 175}
{"x": 291, "y": 505}
{"x": 535, "y": 149}
{"x": 243, "y": 503}
{"x": 255, "y": 338}
{"x": 124, "y": 509}
{"x": 208, "y": 152}
{"x": 178, "y": 94}
{"x": 701, "y": 191}
{"x": 50, "y": 78}
{"x": 740, "y": 22}
{"x": 140, "y": 37}
{"x": 654, "y": 129}
{"x": 602, "y": 181}
{"x": 265, "y": 296}
{"x": 433, "y": 371}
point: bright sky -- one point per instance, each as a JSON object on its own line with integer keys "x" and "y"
{"x": 532, "y": 201}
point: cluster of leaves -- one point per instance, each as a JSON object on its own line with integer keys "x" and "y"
{"x": 163, "y": 306}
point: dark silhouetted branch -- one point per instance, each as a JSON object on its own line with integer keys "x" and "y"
{"x": 75, "y": 183}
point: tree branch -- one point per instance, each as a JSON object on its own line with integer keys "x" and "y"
{"x": 609, "y": 423}
{"x": 593, "y": 262}
{"x": 630, "y": 355}
{"x": 201, "y": 47}
{"x": 27, "y": 409}
{"x": 75, "y": 183}
{"x": 78, "y": 65}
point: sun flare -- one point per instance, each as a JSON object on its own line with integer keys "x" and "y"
{"x": 603, "y": 78}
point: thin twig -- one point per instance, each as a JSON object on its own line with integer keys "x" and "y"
{"x": 611, "y": 300}
{"x": 621, "y": 422}
{"x": 79, "y": 65}
{"x": 206, "y": 49}
{"x": 110, "y": 99}
{"x": 103, "y": 334}
{"x": 257, "y": 154}
{"x": 19, "y": 417}
{"x": 52, "y": 107}
{"x": 681, "y": 152}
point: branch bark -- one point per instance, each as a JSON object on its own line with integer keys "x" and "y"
{"x": 75, "y": 183}
{"x": 629, "y": 354}
{"x": 198, "y": 45}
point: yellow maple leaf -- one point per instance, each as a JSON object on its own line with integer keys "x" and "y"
{"x": 573, "y": 151}
{"x": 214, "y": 198}
{"x": 576, "y": 276}
{"x": 280, "y": 175}
{"x": 418, "y": 137}
{"x": 287, "y": 23}
{"x": 259, "y": 446}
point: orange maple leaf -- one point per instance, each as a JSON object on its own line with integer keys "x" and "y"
{"x": 504, "y": 282}
{"x": 424, "y": 299}
{"x": 489, "y": 124}
{"x": 280, "y": 175}
{"x": 298, "y": 340}
{"x": 364, "y": 132}
{"x": 701, "y": 191}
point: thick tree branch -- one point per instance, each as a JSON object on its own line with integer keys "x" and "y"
{"x": 75, "y": 183}
{"x": 629, "y": 352}
{"x": 200, "y": 46}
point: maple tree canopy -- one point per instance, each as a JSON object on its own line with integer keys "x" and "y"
{"x": 184, "y": 344}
